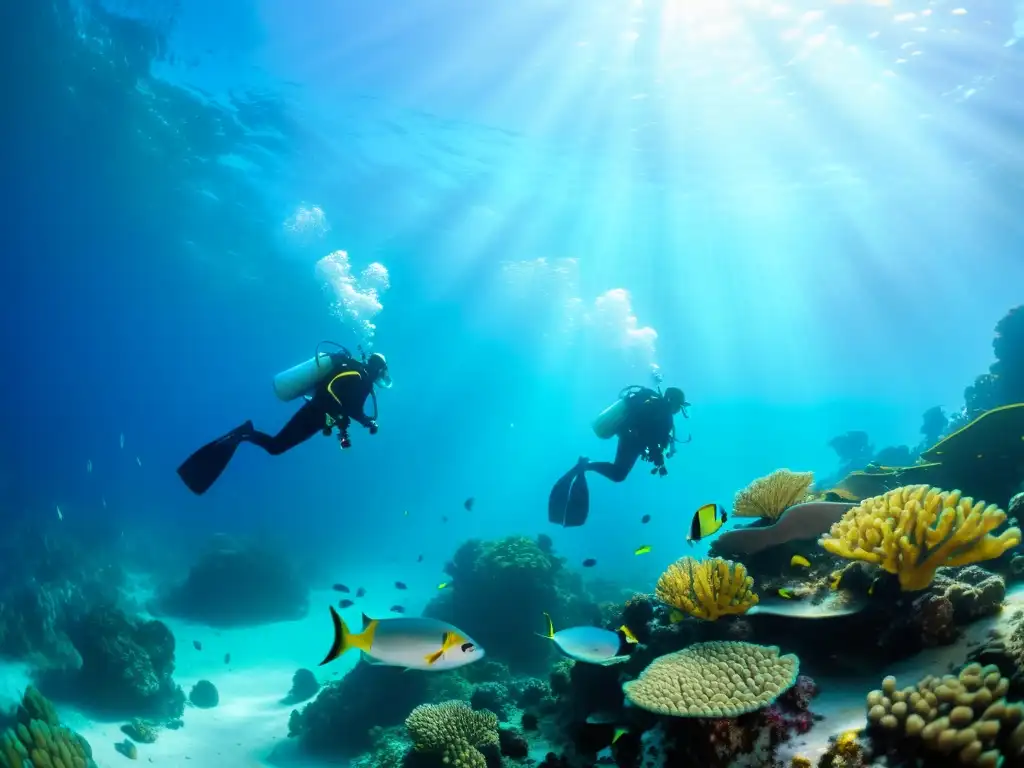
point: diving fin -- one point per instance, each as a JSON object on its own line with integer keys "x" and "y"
{"x": 569, "y": 502}
{"x": 201, "y": 470}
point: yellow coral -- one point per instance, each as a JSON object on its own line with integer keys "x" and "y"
{"x": 773, "y": 494}
{"x": 453, "y": 731}
{"x": 914, "y": 530}
{"x": 707, "y": 589}
{"x": 713, "y": 679}
{"x": 39, "y": 740}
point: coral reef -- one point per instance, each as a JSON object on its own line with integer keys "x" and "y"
{"x": 38, "y": 740}
{"x": 499, "y": 587}
{"x": 338, "y": 721}
{"x": 389, "y": 748}
{"x": 454, "y": 732}
{"x": 140, "y": 731}
{"x": 304, "y": 687}
{"x": 127, "y": 665}
{"x": 231, "y": 587}
{"x": 1008, "y": 345}
{"x": 713, "y": 679}
{"x": 914, "y": 530}
{"x": 494, "y": 697}
{"x": 768, "y": 497}
{"x": 707, "y": 589}
{"x": 204, "y": 695}
{"x": 1005, "y": 650}
{"x": 966, "y": 714}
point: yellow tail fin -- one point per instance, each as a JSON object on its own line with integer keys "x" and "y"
{"x": 345, "y": 639}
{"x": 551, "y": 629}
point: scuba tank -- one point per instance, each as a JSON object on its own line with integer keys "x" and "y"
{"x": 610, "y": 420}
{"x": 305, "y": 377}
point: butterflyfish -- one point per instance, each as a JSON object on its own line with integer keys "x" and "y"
{"x": 413, "y": 643}
{"x": 799, "y": 561}
{"x": 592, "y": 645}
{"x": 706, "y": 522}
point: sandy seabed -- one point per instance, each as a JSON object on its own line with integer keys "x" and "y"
{"x": 249, "y": 727}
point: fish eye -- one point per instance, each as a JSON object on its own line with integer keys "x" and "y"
{"x": 467, "y": 647}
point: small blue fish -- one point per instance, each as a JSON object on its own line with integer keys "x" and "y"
{"x": 592, "y": 645}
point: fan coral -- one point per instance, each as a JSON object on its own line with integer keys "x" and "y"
{"x": 38, "y": 738}
{"x": 914, "y": 530}
{"x": 964, "y": 713}
{"x": 707, "y": 589}
{"x": 713, "y": 679}
{"x": 770, "y": 496}
{"x": 454, "y": 732}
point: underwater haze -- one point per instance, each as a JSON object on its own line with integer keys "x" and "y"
{"x": 804, "y": 214}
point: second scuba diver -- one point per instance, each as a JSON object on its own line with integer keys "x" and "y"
{"x": 642, "y": 419}
{"x": 335, "y": 386}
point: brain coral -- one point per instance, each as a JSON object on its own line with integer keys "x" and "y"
{"x": 713, "y": 679}
{"x": 454, "y": 732}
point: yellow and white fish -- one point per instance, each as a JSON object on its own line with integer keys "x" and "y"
{"x": 410, "y": 642}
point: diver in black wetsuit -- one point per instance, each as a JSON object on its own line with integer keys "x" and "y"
{"x": 336, "y": 401}
{"x": 646, "y": 431}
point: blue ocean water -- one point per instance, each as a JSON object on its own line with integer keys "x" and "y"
{"x": 805, "y": 215}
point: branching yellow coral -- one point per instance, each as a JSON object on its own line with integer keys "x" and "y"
{"x": 914, "y": 530}
{"x": 773, "y": 494}
{"x": 707, "y": 589}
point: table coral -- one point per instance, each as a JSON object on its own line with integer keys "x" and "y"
{"x": 38, "y": 740}
{"x": 707, "y": 589}
{"x": 714, "y": 679}
{"x": 914, "y": 530}
{"x": 454, "y": 732}
{"x": 768, "y": 497}
{"x": 965, "y": 714}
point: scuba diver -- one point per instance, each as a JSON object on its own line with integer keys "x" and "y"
{"x": 335, "y": 387}
{"x": 642, "y": 419}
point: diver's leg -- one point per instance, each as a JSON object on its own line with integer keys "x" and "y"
{"x": 309, "y": 420}
{"x": 569, "y": 501}
{"x": 626, "y": 454}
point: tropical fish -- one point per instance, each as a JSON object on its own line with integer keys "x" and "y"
{"x": 589, "y": 562}
{"x": 642, "y": 550}
{"x": 397, "y": 609}
{"x": 628, "y": 634}
{"x": 592, "y": 645}
{"x": 645, "y": 519}
{"x": 88, "y": 466}
{"x": 227, "y": 658}
{"x": 413, "y": 643}
{"x": 619, "y": 733}
{"x": 419, "y": 559}
{"x": 468, "y": 504}
{"x": 675, "y": 616}
{"x": 197, "y": 645}
{"x": 346, "y": 603}
{"x": 341, "y": 588}
{"x": 786, "y": 593}
{"x": 360, "y": 592}
{"x": 60, "y": 515}
{"x": 706, "y": 522}
{"x": 400, "y": 585}
{"x": 442, "y": 585}
{"x": 799, "y": 561}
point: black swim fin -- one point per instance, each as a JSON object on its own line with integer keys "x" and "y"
{"x": 569, "y": 502}
{"x": 201, "y": 470}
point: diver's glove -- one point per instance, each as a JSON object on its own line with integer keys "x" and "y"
{"x": 373, "y": 427}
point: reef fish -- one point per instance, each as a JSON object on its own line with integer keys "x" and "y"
{"x": 341, "y": 588}
{"x": 197, "y": 645}
{"x": 592, "y": 645}
{"x": 642, "y": 550}
{"x": 346, "y": 603}
{"x": 589, "y": 562}
{"x": 400, "y": 585}
{"x": 706, "y": 522}
{"x": 799, "y": 561}
{"x": 645, "y": 519}
{"x": 360, "y": 592}
{"x": 397, "y": 609}
{"x": 413, "y": 643}
{"x": 468, "y": 504}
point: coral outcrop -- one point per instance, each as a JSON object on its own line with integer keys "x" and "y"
{"x": 231, "y": 587}
{"x": 499, "y": 587}
{"x": 768, "y": 497}
{"x": 38, "y": 740}
{"x": 714, "y": 679}
{"x": 454, "y": 732}
{"x": 707, "y": 589}
{"x": 965, "y": 715}
{"x": 914, "y": 530}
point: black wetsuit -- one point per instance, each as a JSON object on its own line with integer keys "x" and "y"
{"x": 341, "y": 398}
{"x": 647, "y": 432}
